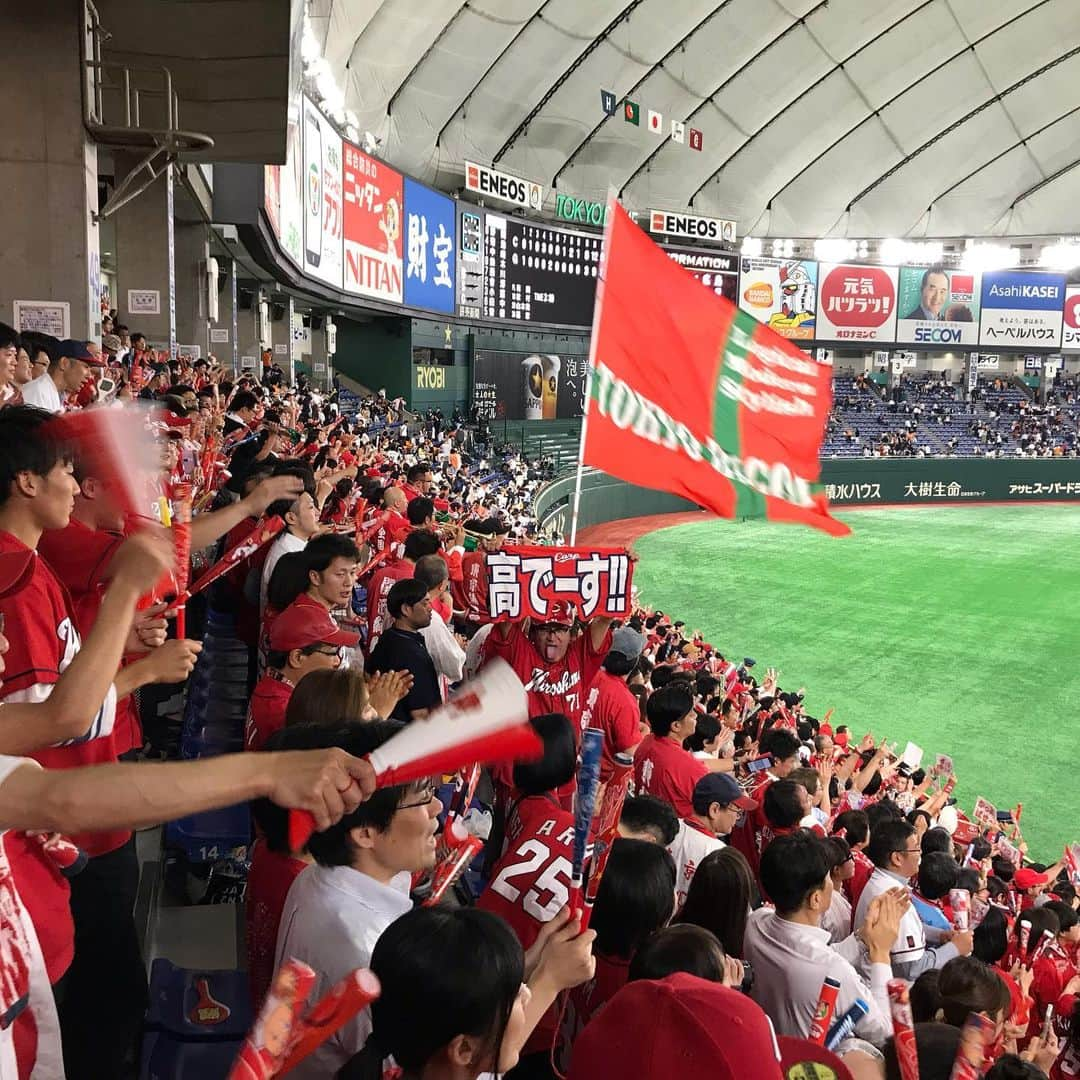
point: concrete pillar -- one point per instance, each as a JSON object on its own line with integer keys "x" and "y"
{"x": 48, "y": 174}
{"x": 223, "y": 329}
{"x": 145, "y": 260}
{"x": 319, "y": 368}
{"x": 281, "y": 332}
{"x": 247, "y": 326}
{"x": 192, "y": 286}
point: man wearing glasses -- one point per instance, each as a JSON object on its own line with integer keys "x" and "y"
{"x": 895, "y": 852}
{"x": 719, "y": 804}
{"x": 303, "y": 638}
{"x": 337, "y": 909}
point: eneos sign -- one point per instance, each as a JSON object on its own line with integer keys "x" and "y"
{"x": 527, "y": 194}
{"x": 692, "y": 226}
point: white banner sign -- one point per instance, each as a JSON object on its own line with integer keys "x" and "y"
{"x": 494, "y": 184}
{"x": 144, "y": 302}
{"x": 43, "y": 317}
{"x": 219, "y": 336}
{"x": 692, "y": 226}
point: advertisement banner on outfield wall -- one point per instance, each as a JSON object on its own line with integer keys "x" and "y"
{"x": 781, "y": 293}
{"x": 281, "y": 193}
{"x": 322, "y": 197}
{"x": 1070, "y": 330}
{"x": 528, "y": 386}
{"x": 373, "y": 225}
{"x": 937, "y": 307}
{"x": 856, "y": 303}
{"x": 430, "y": 240}
{"x": 1022, "y": 308}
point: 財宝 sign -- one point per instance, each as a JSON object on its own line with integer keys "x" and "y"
{"x": 568, "y": 208}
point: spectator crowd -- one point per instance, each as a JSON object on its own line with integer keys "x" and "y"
{"x": 786, "y": 895}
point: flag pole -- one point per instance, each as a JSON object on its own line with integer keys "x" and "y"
{"x": 611, "y": 203}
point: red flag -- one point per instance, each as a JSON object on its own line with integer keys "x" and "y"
{"x": 689, "y": 394}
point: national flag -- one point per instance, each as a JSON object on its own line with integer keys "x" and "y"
{"x": 632, "y": 112}
{"x": 690, "y": 395}
{"x": 608, "y": 102}
{"x": 695, "y": 139}
{"x": 656, "y": 123}
{"x": 678, "y": 131}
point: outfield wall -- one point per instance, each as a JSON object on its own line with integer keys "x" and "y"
{"x": 855, "y": 481}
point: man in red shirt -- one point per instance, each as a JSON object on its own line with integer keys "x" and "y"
{"x": 331, "y": 565}
{"x": 610, "y": 706}
{"x": 530, "y": 884}
{"x": 661, "y": 766}
{"x": 37, "y": 492}
{"x": 1055, "y": 978}
{"x": 556, "y": 668}
{"x": 472, "y": 596}
{"x": 396, "y": 527}
{"x": 417, "y": 544}
{"x": 303, "y": 638}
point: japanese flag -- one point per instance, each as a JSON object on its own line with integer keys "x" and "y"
{"x": 656, "y": 123}
{"x": 678, "y": 131}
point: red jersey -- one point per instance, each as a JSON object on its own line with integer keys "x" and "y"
{"x": 1051, "y": 972}
{"x": 247, "y": 614}
{"x": 382, "y": 581}
{"x": 853, "y": 887}
{"x": 268, "y": 883}
{"x": 530, "y": 884}
{"x": 43, "y": 640}
{"x": 664, "y": 769}
{"x": 552, "y": 688}
{"x": 79, "y": 557}
{"x": 392, "y": 531}
{"x": 266, "y": 712}
{"x": 614, "y": 710}
{"x": 1067, "y": 1066}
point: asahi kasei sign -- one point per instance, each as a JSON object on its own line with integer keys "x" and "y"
{"x": 493, "y": 184}
{"x": 692, "y": 226}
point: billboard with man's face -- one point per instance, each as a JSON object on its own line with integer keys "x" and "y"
{"x": 937, "y": 307}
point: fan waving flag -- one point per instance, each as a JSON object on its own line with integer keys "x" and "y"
{"x": 693, "y": 396}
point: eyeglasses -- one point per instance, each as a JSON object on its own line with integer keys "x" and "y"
{"x": 332, "y": 650}
{"x": 423, "y": 796}
{"x": 909, "y": 851}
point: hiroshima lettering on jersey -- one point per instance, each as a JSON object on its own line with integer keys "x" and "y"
{"x": 541, "y": 682}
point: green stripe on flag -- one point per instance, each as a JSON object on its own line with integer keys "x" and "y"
{"x": 749, "y": 503}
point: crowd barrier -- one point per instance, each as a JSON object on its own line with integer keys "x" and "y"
{"x": 848, "y": 482}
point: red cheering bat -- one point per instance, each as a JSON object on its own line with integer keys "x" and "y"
{"x": 907, "y": 1054}
{"x": 332, "y": 1011}
{"x": 975, "y": 1039}
{"x": 181, "y": 530}
{"x": 452, "y": 866}
{"x": 607, "y": 830}
{"x": 264, "y": 1050}
{"x": 487, "y": 720}
{"x": 117, "y": 447}
{"x": 263, "y": 533}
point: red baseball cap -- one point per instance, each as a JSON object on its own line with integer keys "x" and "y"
{"x": 697, "y": 1030}
{"x": 300, "y": 625}
{"x": 1026, "y": 878}
{"x": 560, "y": 613}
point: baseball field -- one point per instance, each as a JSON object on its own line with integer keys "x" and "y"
{"x": 955, "y": 628}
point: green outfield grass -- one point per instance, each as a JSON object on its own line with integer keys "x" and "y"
{"x": 956, "y": 628}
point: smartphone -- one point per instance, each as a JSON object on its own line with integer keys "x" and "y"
{"x": 313, "y": 199}
{"x": 1004, "y": 815}
{"x": 759, "y": 763}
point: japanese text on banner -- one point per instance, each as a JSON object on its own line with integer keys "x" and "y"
{"x": 525, "y": 582}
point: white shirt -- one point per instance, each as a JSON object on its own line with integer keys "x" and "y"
{"x": 42, "y": 392}
{"x": 837, "y": 920}
{"x": 283, "y": 543}
{"x": 447, "y": 655}
{"x": 790, "y": 963}
{"x": 49, "y": 1062}
{"x": 331, "y": 920}
{"x": 688, "y": 848}
{"x": 910, "y": 956}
